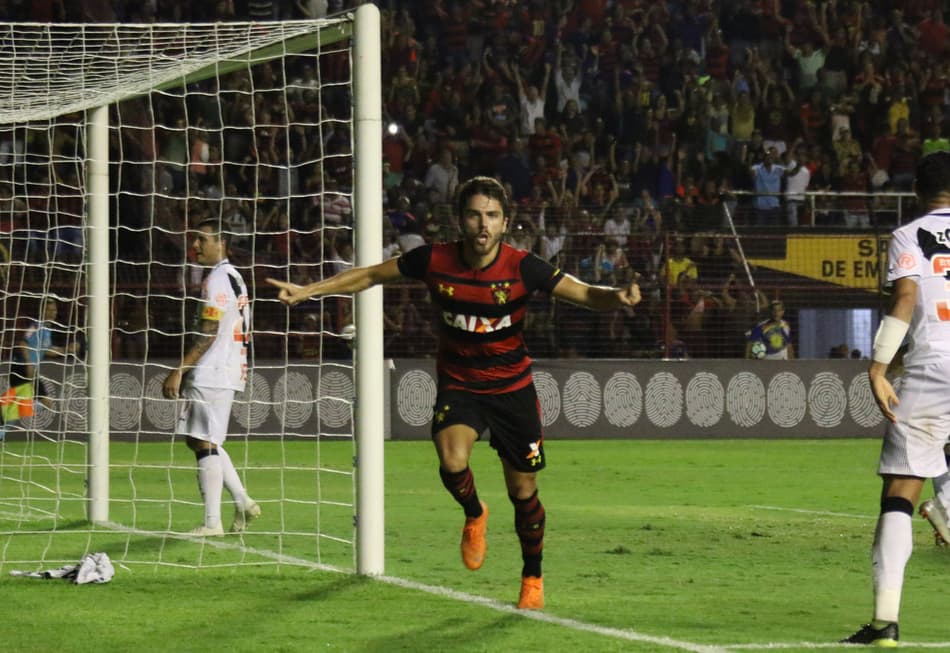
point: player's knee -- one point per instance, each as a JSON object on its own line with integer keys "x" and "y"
{"x": 452, "y": 458}
{"x": 199, "y": 446}
{"x": 522, "y": 488}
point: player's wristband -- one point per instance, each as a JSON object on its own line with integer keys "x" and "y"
{"x": 889, "y": 338}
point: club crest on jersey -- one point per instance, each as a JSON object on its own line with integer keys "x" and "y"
{"x": 446, "y": 290}
{"x": 501, "y": 292}
{"x": 475, "y": 323}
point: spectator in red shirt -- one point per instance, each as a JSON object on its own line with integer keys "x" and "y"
{"x": 651, "y": 46}
{"x": 717, "y": 53}
{"x": 933, "y": 86}
{"x": 454, "y": 32}
{"x": 488, "y": 143}
{"x": 855, "y": 179}
{"x": 595, "y": 10}
{"x": 402, "y": 49}
{"x": 932, "y": 34}
{"x": 882, "y": 148}
{"x": 545, "y": 142}
{"x": 904, "y": 157}
{"x": 397, "y": 148}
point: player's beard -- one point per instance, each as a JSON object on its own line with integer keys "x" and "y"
{"x": 483, "y": 243}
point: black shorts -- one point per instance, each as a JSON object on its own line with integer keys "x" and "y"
{"x": 18, "y": 377}
{"x": 512, "y": 419}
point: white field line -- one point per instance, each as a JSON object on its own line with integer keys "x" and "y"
{"x": 498, "y": 606}
{"x": 223, "y": 544}
{"x": 777, "y": 646}
{"x": 573, "y": 624}
{"x": 26, "y": 516}
{"x": 824, "y": 513}
{"x": 436, "y": 590}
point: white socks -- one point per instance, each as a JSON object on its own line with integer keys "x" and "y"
{"x": 893, "y": 543}
{"x": 211, "y": 482}
{"x": 232, "y": 481}
{"x": 942, "y": 491}
{"x": 216, "y": 472}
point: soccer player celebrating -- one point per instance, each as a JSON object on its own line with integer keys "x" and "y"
{"x": 919, "y": 417}
{"x": 481, "y": 287}
{"x": 212, "y": 369}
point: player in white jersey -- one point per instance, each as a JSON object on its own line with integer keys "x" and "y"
{"x": 212, "y": 369}
{"x": 918, "y": 418}
{"x": 937, "y": 510}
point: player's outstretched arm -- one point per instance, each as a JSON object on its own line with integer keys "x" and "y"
{"x": 597, "y": 298}
{"x": 346, "y": 282}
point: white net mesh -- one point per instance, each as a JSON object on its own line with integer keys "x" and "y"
{"x": 50, "y": 70}
{"x": 246, "y": 123}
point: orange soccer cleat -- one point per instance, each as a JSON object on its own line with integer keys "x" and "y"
{"x": 532, "y": 593}
{"x": 473, "y": 539}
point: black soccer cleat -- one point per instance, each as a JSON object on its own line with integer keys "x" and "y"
{"x": 886, "y": 636}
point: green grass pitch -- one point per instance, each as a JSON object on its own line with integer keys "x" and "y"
{"x": 651, "y": 546}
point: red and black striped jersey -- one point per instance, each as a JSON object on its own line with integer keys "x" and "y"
{"x": 482, "y": 311}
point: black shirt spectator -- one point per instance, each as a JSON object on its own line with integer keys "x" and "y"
{"x": 512, "y": 168}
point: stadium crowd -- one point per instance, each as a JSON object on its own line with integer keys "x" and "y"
{"x": 616, "y": 124}
{"x": 620, "y": 128}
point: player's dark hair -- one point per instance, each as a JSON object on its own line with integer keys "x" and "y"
{"x": 486, "y": 186}
{"x": 933, "y": 176}
{"x": 214, "y": 224}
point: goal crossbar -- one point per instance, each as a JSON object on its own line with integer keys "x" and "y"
{"x": 155, "y": 57}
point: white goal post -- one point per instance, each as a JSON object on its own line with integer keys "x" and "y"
{"x": 56, "y": 70}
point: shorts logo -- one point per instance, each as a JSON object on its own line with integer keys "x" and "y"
{"x": 441, "y": 414}
{"x": 534, "y": 456}
{"x": 501, "y": 292}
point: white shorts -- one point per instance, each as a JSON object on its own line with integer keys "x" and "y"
{"x": 204, "y": 413}
{"x": 914, "y": 445}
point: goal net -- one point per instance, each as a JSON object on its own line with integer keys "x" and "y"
{"x": 115, "y": 141}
